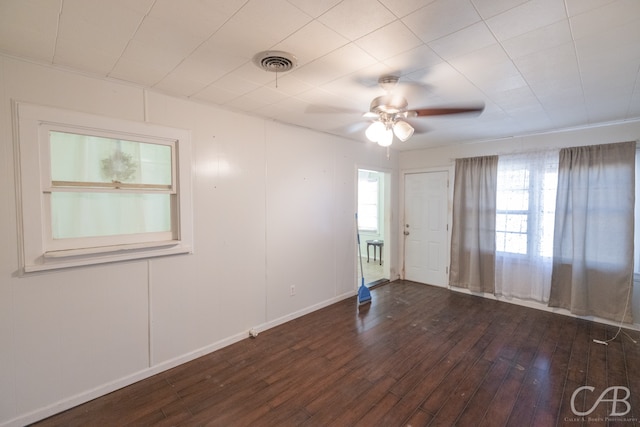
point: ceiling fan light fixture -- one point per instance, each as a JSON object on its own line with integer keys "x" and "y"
{"x": 403, "y": 130}
{"x": 375, "y": 131}
{"x": 386, "y": 138}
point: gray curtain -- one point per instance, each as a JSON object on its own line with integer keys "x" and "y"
{"x": 593, "y": 236}
{"x": 473, "y": 239}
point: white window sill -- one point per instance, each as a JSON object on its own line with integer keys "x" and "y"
{"x": 81, "y": 257}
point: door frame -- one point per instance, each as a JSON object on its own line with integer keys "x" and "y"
{"x": 401, "y": 247}
{"x": 388, "y": 248}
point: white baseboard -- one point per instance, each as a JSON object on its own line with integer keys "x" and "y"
{"x": 300, "y": 313}
{"x": 78, "y": 399}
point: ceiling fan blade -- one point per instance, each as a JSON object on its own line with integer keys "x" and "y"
{"x": 443, "y": 111}
{"x": 418, "y": 127}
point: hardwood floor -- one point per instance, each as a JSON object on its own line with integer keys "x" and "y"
{"x": 418, "y": 355}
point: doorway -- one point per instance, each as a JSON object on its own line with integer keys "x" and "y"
{"x": 426, "y": 227}
{"x": 374, "y": 209}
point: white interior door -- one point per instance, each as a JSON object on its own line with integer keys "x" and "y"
{"x": 425, "y": 227}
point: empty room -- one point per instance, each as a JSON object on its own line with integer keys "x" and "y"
{"x": 319, "y": 213}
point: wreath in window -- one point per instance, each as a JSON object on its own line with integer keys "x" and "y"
{"x": 119, "y": 167}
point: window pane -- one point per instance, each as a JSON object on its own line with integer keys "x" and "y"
{"x": 85, "y": 158}
{"x": 512, "y": 200}
{"x": 515, "y": 243}
{"x": 76, "y": 215}
{"x": 368, "y": 196}
{"x": 513, "y": 179}
{"x": 516, "y": 223}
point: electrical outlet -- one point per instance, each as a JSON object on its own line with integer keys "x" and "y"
{"x": 292, "y": 290}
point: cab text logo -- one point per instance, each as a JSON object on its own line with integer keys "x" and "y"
{"x": 617, "y": 395}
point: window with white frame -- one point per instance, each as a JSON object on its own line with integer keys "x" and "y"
{"x": 96, "y": 189}
{"x": 368, "y": 200}
{"x": 525, "y": 203}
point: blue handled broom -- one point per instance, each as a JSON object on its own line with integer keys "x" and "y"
{"x": 364, "y": 296}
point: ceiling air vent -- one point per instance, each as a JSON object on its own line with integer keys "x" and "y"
{"x": 275, "y": 61}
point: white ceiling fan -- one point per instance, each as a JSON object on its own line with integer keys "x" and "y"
{"x": 391, "y": 115}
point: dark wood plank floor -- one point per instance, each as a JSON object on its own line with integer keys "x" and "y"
{"x": 417, "y": 356}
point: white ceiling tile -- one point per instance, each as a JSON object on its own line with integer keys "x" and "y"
{"x": 353, "y": 97}
{"x": 544, "y": 71}
{"x": 245, "y": 103}
{"x": 491, "y": 54}
{"x": 555, "y": 100}
{"x": 530, "y": 115}
{"x": 137, "y": 71}
{"x": 551, "y": 91}
{"x": 180, "y": 85}
{"x": 340, "y": 62}
{"x": 402, "y": 8}
{"x": 156, "y": 56}
{"x": 145, "y": 63}
{"x": 79, "y": 54}
{"x": 251, "y": 73}
{"x": 215, "y": 95}
{"x": 413, "y": 60}
{"x": 389, "y": 41}
{"x": 508, "y": 79}
{"x": 200, "y": 17}
{"x": 446, "y": 84}
{"x": 557, "y": 65}
{"x": 608, "y": 74}
{"x": 605, "y": 18}
{"x": 367, "y": 77}
{"x": 267, "y": 94}
{"x": 514, "y": 98}
{"x": 233, "y": 83}
{"x": 318, "y": 97}
{"x": 371, "y": 16}
{"x": 260, "y": 25}
{"x": 615, "y": 45}
{"x": 474, "y": 37}
{"x": 207, "y": 64}
{"x": 576, "y": 7}
{"x": 101, "y": 14}
{"x": 96, "y": 25}
{"x": 29, "y": 28}
{"x": 529, "y": 16}
{"x": 311, "y": 42}
{"x": 291, "y": 86}
{"x": 315, "y": 8}
{"x": 538, "y": 40}
{"x": 489, "y": 8}
{"x": 604, "y": 107}
{"x": 94, "y": 39}
{"x": 273, "y": 111}
{"x": 441, "y": 18}
{"x": 490, "y": 69}
{"x": 610, "y": 91}
{"x": 160, "y": 32}
{"x": 575, "y": 115}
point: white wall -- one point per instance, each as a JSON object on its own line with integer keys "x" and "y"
{"x": 273, "y": 208}
{"x": 444, "y": 157}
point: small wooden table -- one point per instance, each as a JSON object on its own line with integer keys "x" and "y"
{"x": 376, "y": 244}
